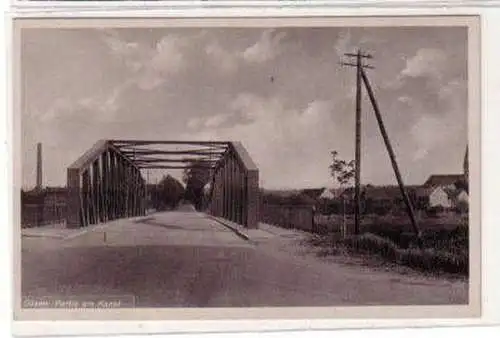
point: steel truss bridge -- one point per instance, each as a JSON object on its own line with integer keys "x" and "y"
{"x": 107, "y": 183}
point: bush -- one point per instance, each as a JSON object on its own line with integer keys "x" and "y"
{"x": 381, "y": 211}
{"x": 433, "y": 260}
{"x": 373, "y": 244}
{"x": 462, "y": 207}
{"x": 421, "y": 259}
{"x": 435, "y": 211}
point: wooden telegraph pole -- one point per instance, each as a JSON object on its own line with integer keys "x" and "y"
{"x": 357, "y": 176}
{"x": 409, "y": 207}
{"x": 361, "y": 77}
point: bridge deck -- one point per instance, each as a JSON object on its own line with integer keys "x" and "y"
{"x": 187, "y": 259}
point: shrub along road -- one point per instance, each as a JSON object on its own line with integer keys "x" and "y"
{"x": 185, "y": 259}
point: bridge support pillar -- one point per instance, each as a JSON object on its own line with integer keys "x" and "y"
{"x": 74, "y": 199}
{"x": 253, "y": 199}
{"x": 236, "y": 195}
{"x": 103, "y": 185}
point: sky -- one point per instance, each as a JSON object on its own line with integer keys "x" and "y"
{"x": 280, "y": 91}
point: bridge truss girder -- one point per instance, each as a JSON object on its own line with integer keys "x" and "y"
{"x": 106, "y": 182}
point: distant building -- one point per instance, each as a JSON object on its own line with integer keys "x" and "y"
{"x": 449, "y": 191}
{"x": 313, "y": 193}
{"x": 55, "y": 195}
{"x": 42, "y": 206}
{"x": 381, "y": 199}
{"x": 443, "y": 180}
{"x": 328, "y": 194}
{"x": 462, "y": 197}
{"x": 287, "y": 197}
{"x": 439, "y": 197}
{"x": 48, "y": 195}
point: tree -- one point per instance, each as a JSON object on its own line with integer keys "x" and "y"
{"x": 462, "y": 207}
{"x": 342, "y": 171}
{"x": 195, "y": 178}
{"x": 462, "y": 184}
{"x": 169, "y": 192}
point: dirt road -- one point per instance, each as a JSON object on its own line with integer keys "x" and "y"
{"x": 184, "y": 259}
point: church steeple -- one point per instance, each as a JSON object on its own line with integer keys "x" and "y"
{"x": 466, "y": 164}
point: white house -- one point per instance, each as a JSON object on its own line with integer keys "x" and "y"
{"x": 207, "y": 187}
{"x": 439, "y": 198}
{"x": 462, "y": 197}
{"x": 327, "y": 194}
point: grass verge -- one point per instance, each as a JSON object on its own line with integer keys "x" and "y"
{"x": 440, "y": 259}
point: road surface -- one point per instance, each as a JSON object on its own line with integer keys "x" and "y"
{"x": 185, "y": 259}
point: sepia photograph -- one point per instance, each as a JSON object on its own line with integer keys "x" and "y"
{"x": 187, "y": 164}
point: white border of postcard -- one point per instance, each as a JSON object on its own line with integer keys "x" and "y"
{"x": 490, "y": 296}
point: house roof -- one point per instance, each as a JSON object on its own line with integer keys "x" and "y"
{"x": 383, "y": 192}
{"x": 330, "y": 193}
{"x": 313, "y": 193}
{"x": 442, "y": 180}
{"x": 388, "y": 192}
{"x": 287, "y": 197}
{"x": 278, "y": 192}
{"x": 423, "y": 191}
{"x": 46, "y": 190}
{"x": 55, "y": 190}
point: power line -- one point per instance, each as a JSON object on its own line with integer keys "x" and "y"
{"x": 362, "y": 78}
{"x": 359, "y": 55}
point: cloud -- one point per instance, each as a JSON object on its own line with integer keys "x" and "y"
{"x": 272, "y": 132}
{"x": 453, "y": 90}
{"x": 316, "y": 113}
{"x": 219, "y": 87}
{"x": 343, "y": 44}
{"x": 216, "y": 120}
{"x": 117, "y": 45}
{"x": 266, "y": 48}
{"x": 429, "y": 63}
{"x": 426, "y": 62}
{"x": 194, "y": 122}
{"x": 150, "y": 67}
{"x": 128, "y": 52}
{"x": 405, "y": 99}
{"x": 107, "y": 105}
{"x": 168, "y": 57}
{"x": 59, "y": 107}
{"x": 254, "y": 107}
{"x": 223, "y": 59}
{"x": 427, "y": 132}
{"x": 101, "y": 108}
{"x": 435, "y": 130}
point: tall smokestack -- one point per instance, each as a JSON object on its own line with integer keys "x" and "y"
{"x": 39, "y": 166}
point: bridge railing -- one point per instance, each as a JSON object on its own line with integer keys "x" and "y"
{"x": 235, "y": 194}
{"x": 103, "y": 184}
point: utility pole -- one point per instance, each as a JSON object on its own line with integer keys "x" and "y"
{"x": 39, "y": 186}
{"x": 357, "y": 176}
{"x": 409, "y": 207}
{"x": 147, "y": 198}
{"x": 361, "y": 77}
